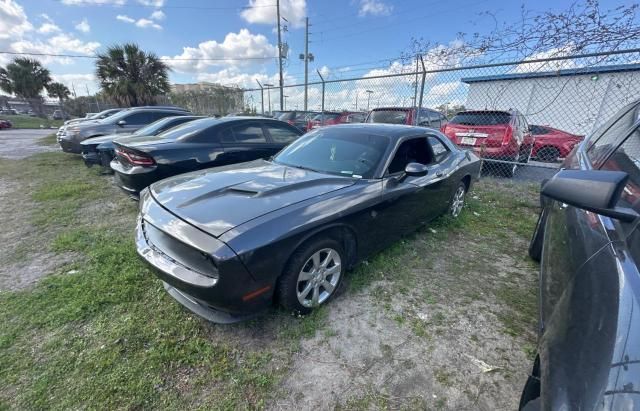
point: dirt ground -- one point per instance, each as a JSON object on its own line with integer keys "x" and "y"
{"x": 445, "y": 320}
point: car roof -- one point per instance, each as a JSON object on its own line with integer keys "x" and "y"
{"x": 393, "y": 131}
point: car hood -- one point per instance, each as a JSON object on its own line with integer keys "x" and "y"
{"x": 219, "y": 199}
{"x": 102, "y": 139}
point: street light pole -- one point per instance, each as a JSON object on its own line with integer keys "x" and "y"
{"x": 279, "y": 50}
{"x": 368, "y": 98}
{"x": 269, "y": 95}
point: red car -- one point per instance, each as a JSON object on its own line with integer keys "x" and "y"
{"x": 5, "y": 124}
{"x": 407, "y": 115}
{"x": 329, "y": 118}
{"x": 493, "y": 134}
{"x": 550, "y": 144}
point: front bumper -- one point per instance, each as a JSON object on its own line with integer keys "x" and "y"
{"x": 69, "y": 146}
{"x": 90, "y": 158}
{"x": 222, "y": 299}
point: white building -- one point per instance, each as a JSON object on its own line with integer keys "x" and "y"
{"x": 574, "y": 100}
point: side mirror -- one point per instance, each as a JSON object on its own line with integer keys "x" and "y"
{"x": 415, "y": 170}
{"x": 121, "y": 123}
{"x": 592, "y": 190}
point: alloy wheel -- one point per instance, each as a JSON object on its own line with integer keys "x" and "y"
{"x": 458, "y": 201}
{"x": 319, "y": 277}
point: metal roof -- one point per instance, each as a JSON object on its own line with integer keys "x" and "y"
{"x": 557, "y": 73}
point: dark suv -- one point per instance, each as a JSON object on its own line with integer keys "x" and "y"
{"x": 124, "y": 122}
{"x": 588, "y": 242}
{"x": 411, "y": 116}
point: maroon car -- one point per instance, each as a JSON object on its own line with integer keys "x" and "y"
{"x": 330, "y": 118}
{"x": 494, "y": 135}
{"x": 550, "y": 144}
{"x": 5, "y": 123}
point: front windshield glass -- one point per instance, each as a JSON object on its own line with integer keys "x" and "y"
{"x": 153, "y": 128}
{"x": 354, "y": 153}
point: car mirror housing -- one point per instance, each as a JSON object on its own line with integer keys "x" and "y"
{"x": 592, "y": 190}
{"x": 415, "y": 170}
{"x": 121, "y": 123}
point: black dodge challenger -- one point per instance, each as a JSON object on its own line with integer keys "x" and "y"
{"x": 228, "y": 241}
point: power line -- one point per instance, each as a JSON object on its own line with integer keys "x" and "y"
{"x": 163, "y": 58}
{"x": 111, "y": 4}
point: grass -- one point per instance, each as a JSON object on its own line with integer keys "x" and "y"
{"x": 48, "y": 140}
{"x": 102, "y": 333}
{"x": 22, "y": 121}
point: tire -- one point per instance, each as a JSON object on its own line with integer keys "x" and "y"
{"x": 548, "y": 154}
{"x": 457, "y": 200}
{"x": 537, "y": 239}
{"x": 303, "y": 295}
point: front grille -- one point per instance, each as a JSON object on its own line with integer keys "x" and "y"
{"x": 178, "y": 252}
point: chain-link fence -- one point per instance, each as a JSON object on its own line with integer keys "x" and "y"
{"x": 522, "y": 118}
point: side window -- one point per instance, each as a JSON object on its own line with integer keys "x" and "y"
{"x": 610, "y": 137}
{"x": 208, "y": 135}
{"x": 627, "y": 158}
{"x": 440, "y": 151}
{"x": 157, "y": 115}
{"x": 281, "y": 134}
{"x": 410, "y": 151}
{"x": 226, "y": 136}
{"x": 138, "y": 119}
{"x": 248, "y": 133}
{"x": 538, "y": 130}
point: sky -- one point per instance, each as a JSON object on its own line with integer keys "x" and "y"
{"x": 348, "y": 38}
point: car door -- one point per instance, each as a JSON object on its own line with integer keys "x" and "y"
{"x": 245, "y": 141}
{"x": 572, "y": 235}
{"x": 407, "y": 202}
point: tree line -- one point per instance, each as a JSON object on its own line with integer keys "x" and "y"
{"x": 128, "y": 77}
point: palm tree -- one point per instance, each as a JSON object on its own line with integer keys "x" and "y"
{"x": 26, "y": 78}
{"x": 59, "y": 91}
{"x": 130, "y": 76}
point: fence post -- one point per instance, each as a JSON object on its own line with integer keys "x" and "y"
{"x": 322, "y": 108}
{"x": 261, "y": 96}
{"x": 416, "y": 120}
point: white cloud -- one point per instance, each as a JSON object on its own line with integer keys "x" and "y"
{"x": 79, "y": 82}
{"x": 264, "y": 12}
{"x": 374, "y": 8}
{"x": 325, "y": 71}
{"x": 142, "y": 23}
{"x": 158, "y": 15}
{"x": 93, "y": 2}
{"x": 145, "y": 23}
{"x": 152, "y": 3}
{"x": 83, "y": 26}
{"x": 125, "y": 18}
{"x": 243, "y": 44}
{"x": 48, "y": 28}
{"x": 13, "y": 20}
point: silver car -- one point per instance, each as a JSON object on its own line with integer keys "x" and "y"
{"x": 124, "y": 122}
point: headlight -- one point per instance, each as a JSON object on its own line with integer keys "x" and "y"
{"x": 144, "y": 197}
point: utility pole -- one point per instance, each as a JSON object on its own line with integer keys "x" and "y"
{"x": 306, "y": 62}
{"x": 279, "y": 53}
{"x": 269, "y": 94}
{"x": 369, "y": 98}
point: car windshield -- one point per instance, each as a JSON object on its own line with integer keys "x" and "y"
{"x": 354, "y": 153}
{"x": 388, "y": 116}
{"x": 154, "y": 128}
{"x": 481, "y": 118}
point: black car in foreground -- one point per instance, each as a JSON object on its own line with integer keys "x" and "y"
{"x": 588, "y": 242}
{"x": 103, "y": 156}
{"x": 198, "y": 144}
{"x": 227, "y": 241}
